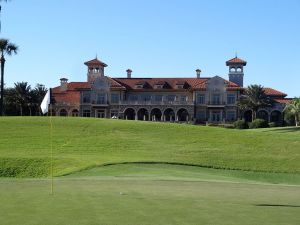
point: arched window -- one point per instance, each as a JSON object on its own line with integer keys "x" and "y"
{"x": 75, "y": 112}
{"x": 63, "y": 112}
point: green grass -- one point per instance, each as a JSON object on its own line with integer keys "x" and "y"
{"x": 138, "y": 194}
{"x": 80, "y": 143}
{"x": 173, "y": 179}
{"x": 158, "y": 171}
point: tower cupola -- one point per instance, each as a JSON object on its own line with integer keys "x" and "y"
{"x": 95, "y": 69}
{"x": 236, "y": 70}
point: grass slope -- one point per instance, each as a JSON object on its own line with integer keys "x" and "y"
{"x": 80, "y": 143}
{"x": 142, "y": 171}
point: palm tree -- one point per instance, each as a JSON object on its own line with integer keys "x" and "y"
{"x": 6, "y": 48}
{"x": 254, "y": 98}
{"x": 37, "y": 96}
{"x": 293, "y": 108}
{"x": 23, "y": 95}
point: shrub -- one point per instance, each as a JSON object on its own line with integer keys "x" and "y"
{"x": 240, "y": 124}
{"x": 258, "y": 123}
{"x": 228, "y": 125}
{"x": 273, "y": 124}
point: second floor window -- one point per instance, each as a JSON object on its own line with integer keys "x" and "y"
{"x": 146, "y": 97}
{"x": 101, "y": 99}
{"x": 200, "y": 98}
{"x": 158, "y": 98}
{"x": 171, "y": 98}
{"x": 86, "y": 97}
{"x": 216, "y": 99}
{"x": 183, "y": 98}
{"x": 114, "y": 98}
{"x": 133, "y": 97}
{"x": 230, "y": 98}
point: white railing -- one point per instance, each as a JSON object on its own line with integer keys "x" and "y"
{"x": 128, "y": 102}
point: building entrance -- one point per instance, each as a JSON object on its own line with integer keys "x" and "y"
{"x": 100, "y": 114}
{"x": 216, "y": 116}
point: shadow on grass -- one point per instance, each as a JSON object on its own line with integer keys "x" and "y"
{"x": 285, "y": 130}
{"x": 278, "y": 205}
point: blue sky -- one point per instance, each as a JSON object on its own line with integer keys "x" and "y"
{"x": 157, "y": 38}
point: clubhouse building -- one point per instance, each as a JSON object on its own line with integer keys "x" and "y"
{"x": 201, "y": 99}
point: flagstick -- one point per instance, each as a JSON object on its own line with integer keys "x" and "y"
{"x": 51, "y": 147}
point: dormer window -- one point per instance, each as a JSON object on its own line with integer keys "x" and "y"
{"x": 158, "y": 86}
{"x": 181, "y": 84}
{"x": 141, "y": 85}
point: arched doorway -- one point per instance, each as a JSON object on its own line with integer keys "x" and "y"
{"x": 143, "y": 114}
{"x": 182, "y": 115}
{"x": 129, "y": 114}
{"x": 75, "y": 113}
{"x": 63, "y": 112}
{"x": 156, "y": 115}
{"x": 248, "y": 116}
{"x": 263, "y": 114}
{"x": 169, "y": 115}
{"x": 276, "y": 116}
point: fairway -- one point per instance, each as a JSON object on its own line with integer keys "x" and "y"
{"x": 110, "y": 172}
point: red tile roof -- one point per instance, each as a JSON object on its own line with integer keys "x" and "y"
{"x": 273, "y": 92}
{"x": 283, "y": 101}
{"x": 236, "y": 60}
{"x": 95, "y": 62}
{"x": 170, "y": 83}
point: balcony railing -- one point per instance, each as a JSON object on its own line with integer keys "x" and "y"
{"x": 216, "y": 103}
{"x": 151, "y": 102}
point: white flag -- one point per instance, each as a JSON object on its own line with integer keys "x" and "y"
{"x": 45, "y": 103}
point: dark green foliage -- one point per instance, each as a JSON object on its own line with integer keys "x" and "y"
{"x": 274, "y": 124}
{"x": 228, "y": 125}
{"x": 24, "y": 167}
{"x": 240, "y": 124}
{"x": 23, "y": 100}
{"x": 254, "y": 98}
{"x": 258, "y": 123}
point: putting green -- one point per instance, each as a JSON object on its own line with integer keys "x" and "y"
{"x": 152, "y": 194}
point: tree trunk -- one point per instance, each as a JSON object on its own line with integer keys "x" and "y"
{"x": 296, "y": 120}
{"x": 2, "y": 86}
{"x": 21, "y": 110}
{"x": 253, "y": 115}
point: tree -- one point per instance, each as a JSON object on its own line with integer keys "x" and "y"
{"x": 37, "y": 96}
{"x": 293, "y": 108}
{"x": 10, "y": 102}
{"x": 254, "y": 98}
{"x": 23, "y": 96}
{"x": 6, "y": 48}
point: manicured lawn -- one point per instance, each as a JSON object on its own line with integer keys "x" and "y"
{"x": 86, "y": 142}
{"x": 149, "y": 194}
{"x": 111, "y": 172}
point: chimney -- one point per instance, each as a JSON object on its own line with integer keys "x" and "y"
{"x": 198, "y": 72}
{"x": 63, "y": 84}
{"x": 129, "y": 71}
